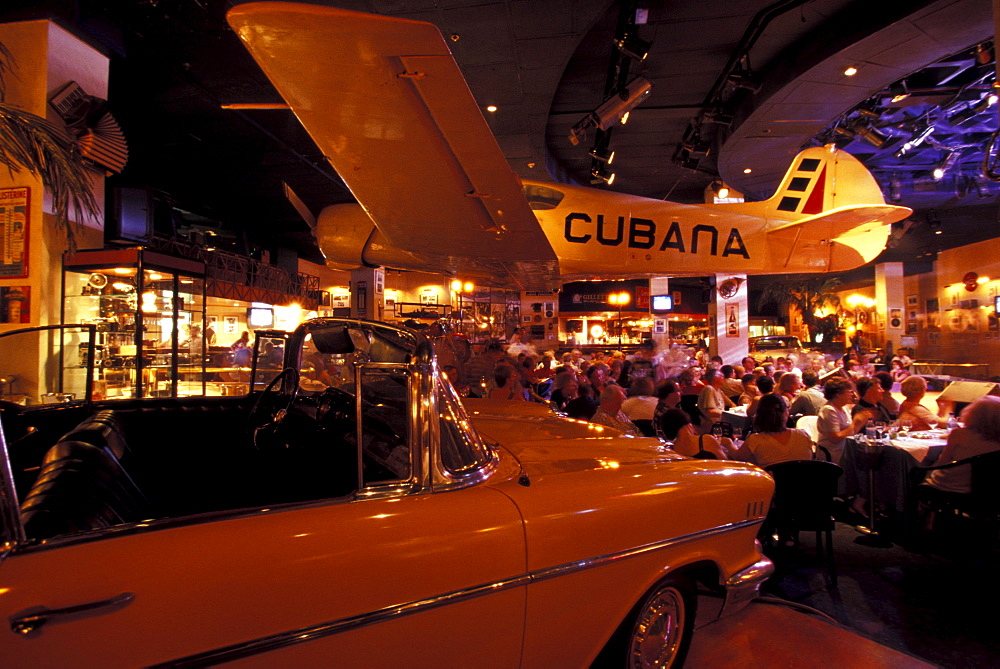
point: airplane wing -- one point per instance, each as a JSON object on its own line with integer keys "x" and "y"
{"x": 847, "y": 225}
{"x": 387, "y": 105}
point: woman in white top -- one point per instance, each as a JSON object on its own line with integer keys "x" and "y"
{"x": 834, "y": 425}
{"x": 773, "y": 441}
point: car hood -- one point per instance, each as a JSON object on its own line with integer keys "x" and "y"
{"x": 547, "y": 443}
{"x": 585, "y": 490}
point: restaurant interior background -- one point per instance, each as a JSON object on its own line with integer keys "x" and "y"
{"x": 159, "y": 69}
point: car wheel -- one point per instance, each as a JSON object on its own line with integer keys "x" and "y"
{"x": 663, "y": 626}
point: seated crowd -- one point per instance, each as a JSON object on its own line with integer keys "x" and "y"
{"x": 679, "y": 396}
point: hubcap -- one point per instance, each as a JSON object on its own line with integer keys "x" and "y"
{"x": 659, "y": 630}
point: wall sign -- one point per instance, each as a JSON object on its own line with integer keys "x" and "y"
{"x": 14, "y": 232}
{"x": 733, "y": 319}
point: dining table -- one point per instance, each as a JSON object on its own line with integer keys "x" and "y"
{"x": 890, "y": 465}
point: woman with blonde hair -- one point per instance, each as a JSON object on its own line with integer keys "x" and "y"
{"x": 916, "y": 414}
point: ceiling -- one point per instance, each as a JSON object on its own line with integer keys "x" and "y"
{"x": 736, "y": 85}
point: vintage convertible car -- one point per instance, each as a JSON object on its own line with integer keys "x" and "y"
{"x": 354, "y": 512}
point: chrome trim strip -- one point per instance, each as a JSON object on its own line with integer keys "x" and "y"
{"x": 284, "y": 639}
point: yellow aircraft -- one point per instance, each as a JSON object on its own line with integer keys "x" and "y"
{"x": 385, "y": 101}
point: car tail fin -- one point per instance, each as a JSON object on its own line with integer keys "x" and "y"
{"x": 823, "y": 178}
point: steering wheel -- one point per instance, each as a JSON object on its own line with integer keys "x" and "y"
{"x": 270, "y": 409}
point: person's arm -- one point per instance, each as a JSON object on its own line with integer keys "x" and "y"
{"x": 744, "y": 453}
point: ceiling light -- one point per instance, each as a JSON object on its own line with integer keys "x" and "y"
{"x": 871, "y": 135}
{"x": 851, "y": 71}
{"x": 612, "y": 110}
{"x": 491, "y": 108}
{"x": 605, "y": 155}
{"x": 946, "y": 164}
{"x": 720, "y": 189}
{"x": 600, "y": 175}
{"x": 899, "y": 91}
{"x": 633, "y": 47}
{"x": 895, "y": 189}
{"x": 916, "y": 141}
{"x": 747, "y": 170}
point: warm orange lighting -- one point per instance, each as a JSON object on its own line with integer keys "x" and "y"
{"x": 851, "y": 71}
{"x": 491, "y": 108}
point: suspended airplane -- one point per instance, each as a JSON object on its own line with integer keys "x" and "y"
{"x": 384, "y": 100}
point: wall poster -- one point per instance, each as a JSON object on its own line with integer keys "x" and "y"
{"x": 15, "y": 304}
{"x": 14, "y": 232}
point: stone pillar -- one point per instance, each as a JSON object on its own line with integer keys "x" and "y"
{"x": 890, "y": 304}
{"x": 728, "y": 310}
{"x": 660, "y": 286}
{"x": 368, "y": 293}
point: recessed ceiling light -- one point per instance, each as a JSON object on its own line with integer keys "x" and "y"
{"x": 747, "y": 170}
{"x": 491, "y": 108}
{"x": 851, "y": 71}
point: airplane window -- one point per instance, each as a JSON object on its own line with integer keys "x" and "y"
{"x": 542, "y": 197}
{"x": 809, "y": 164}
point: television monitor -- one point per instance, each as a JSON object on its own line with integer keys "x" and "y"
{"x": 260, "y": 317}
{"x": 661, "y": 304}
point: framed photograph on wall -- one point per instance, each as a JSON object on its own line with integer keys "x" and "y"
{"x": 230, "y": 324}
{"x": 912, "y": 301}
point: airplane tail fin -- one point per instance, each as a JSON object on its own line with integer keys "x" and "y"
{"x": 820, "y": 179}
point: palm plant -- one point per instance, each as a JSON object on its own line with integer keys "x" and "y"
{"x": 807, "y": 296}
{"x": 30, "y": 142}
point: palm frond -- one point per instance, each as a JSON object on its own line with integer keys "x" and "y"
{"x": 30, "y": 142}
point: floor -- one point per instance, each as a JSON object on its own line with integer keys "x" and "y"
{"x": 927, "y": 605}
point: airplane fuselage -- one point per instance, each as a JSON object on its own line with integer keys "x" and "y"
{"x": 598, "y": 234}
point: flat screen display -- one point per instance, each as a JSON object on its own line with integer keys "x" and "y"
{"x": 260, "y": 317}
{"x": 662, "y": 303}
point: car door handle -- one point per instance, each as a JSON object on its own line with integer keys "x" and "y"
{"x": 26, "y": 624}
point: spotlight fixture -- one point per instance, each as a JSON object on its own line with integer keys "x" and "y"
{"x": 945, "y": 165}
{"x": 720, "y": 190}
{"x": 895, "y": 189}
{"x": 613, "y": 109}
{"x": 604, "y": 155}
{"x": 933, "y": 222}
{"x": 871, "y": 135}
{"x": 899, "y": 91}
{"x": 633, "y": 47}
{"x": 915, "y": 141}
{"x": 600, "y": 175}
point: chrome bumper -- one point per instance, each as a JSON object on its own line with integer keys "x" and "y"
{"x": 744, "y": 585}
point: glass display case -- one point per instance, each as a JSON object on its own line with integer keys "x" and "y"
{"x": 149, "y": 312}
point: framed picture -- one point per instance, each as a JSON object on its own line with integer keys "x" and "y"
{"x": 911, "y": 327}
{"x": 230, "y": 324}
{"x": 14, "y": 210}
{"x": 526, "y": 319}
{"x": 912, "y": 301}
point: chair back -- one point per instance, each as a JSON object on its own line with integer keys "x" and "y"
{"x": 985, "y": 475}
{"x": 808, "y": 424}
{"x": 689, "y": 403}
{"x": 645, "y": 426}
{"x": 804, "y": 493}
